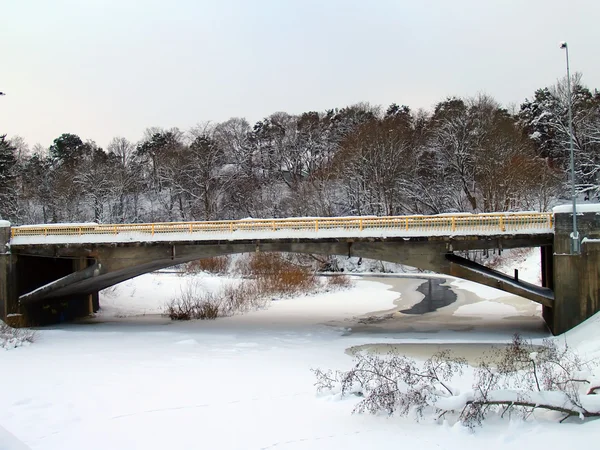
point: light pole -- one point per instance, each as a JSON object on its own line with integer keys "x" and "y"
{"x": 575, "y": 248}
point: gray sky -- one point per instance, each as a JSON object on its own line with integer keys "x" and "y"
{"x": 104, "y": 68}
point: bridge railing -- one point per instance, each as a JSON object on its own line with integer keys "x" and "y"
{"x": 441, "y": 224}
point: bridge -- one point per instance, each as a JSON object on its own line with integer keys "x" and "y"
{"x": 54, "y": 271}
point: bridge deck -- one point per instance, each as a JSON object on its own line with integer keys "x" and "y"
{"x": 306, "y": 228}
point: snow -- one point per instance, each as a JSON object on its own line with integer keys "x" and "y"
{"x": 9, "y": 442}
{"x": 593, "y": 241}
{"x": 486, "y": 308}
{"x": 535, "y": 135}
{"x": 253, "y": 235}
{"x": 59, "y": 225}
{"x": 586, "y": 337}
{"x": 124, "y": 380}
{"x": 580, "y": 208}
{"x": 528, "y": 262}
{"x": 148, "y": 294}
{"x": 4, "y": 223}
{"x": 591, "y": 403}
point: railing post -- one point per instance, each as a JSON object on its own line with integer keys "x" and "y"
{"x": 453, "y": 224}
{"x": 273, "y": 225}
{"x": 190, "y": 227}
{"x": 317, "y": 225}
{"x": 231, "y": 227}
{"x": 152, "y": 229}
{"x": 360, "y": 224}
{"x": 502, "y": 225}
{"x": 406, "y": 223}
{"x": 80, "y": 231}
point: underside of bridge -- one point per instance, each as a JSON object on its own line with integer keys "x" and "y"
{"x": 55, "y": 282}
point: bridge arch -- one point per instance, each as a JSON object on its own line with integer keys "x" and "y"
{"x": 105, "y": 266}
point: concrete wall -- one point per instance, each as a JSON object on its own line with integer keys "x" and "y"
{"x": 576, "y": 277}
{"x": 8, "y": 294}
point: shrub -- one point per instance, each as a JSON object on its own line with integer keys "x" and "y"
{"x": 180, "y": 308}
{"x": 242, "y": 297}
{"x": 215, "y": 264}
{"x": 336, "y": 282}
{"x": 15, "y": 337}
{"x": 196, "y": 303}
{"x": 270, "y": 274}
{"x": 193, "y": 303}
{"x": 275, "y": 275}
{"x": 208, "y": 306}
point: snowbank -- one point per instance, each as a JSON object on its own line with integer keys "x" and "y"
{"x": 9, "y": 442}
{"x": 4, "y": 223}
{"x": 585, "y": 337}
{"x": 580, "y": 208}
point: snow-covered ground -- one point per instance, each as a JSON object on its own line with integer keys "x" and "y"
{"x": 131, "y": 379}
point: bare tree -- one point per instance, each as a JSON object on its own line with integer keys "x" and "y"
{"x": 517, "y": 379}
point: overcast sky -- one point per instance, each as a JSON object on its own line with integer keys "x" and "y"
{"x": 104, "y": 68}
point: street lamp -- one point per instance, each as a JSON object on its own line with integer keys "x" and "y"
{"x": 575, "y": 247}
{"x": 2, "y": 93}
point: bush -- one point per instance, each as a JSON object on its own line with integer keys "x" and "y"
{"x": 216, "y": 264}
{"x": 15, "y": 337}
{"x": 275, "y": 275}
{"x": 193, "y": 303}
{"x": 196, "y": 303}
{"x": 518, "y": 379}
{"x": 336, "y": 282}
{"x": 270, "y": 275}
{"x": 242, "y": 298}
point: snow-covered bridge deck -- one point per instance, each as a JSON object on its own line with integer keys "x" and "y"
{"x": 46, "y": 264}
{"x": 317, "y": 228}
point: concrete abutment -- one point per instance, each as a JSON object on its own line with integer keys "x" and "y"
{"x": 8, "y": 273}
{"x": 22, "y": 273}
{"x": 576, "y": 278}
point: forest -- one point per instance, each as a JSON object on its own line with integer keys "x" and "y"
{"x": 464, "y": 155}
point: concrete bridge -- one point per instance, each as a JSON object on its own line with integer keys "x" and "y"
{"x": 54, "y": 272}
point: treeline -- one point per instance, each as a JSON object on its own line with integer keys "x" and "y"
{"x": 468, "y": 155}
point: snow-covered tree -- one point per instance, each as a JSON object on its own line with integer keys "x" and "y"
{"x": 8, "y": 176}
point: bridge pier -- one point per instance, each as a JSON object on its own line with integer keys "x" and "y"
{"x": 576, "y": 278}
{"x": 8, "y": 273}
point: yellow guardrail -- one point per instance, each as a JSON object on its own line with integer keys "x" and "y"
{"x": 443, "y": 224}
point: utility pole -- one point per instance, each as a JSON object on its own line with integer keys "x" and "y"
{"x": 575, "y": 245}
